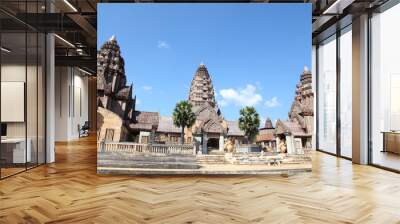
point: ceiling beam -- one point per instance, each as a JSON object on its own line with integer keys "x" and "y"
{"x": 78, "y": 61}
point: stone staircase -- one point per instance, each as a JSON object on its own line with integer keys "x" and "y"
{"x": 253, "y": 159}
{"x": 297, "y": 159}
{"x": 118, "y": 160}
{"x": 211, "y": 159}
{"x": 240, "y": 159}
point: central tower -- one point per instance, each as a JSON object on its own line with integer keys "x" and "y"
{"x": 210, "y": 127}
{"x": 201, "y": 89}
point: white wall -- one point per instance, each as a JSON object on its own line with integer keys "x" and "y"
{"x": 71, "y": 102}
{"x": 33, "y": 126}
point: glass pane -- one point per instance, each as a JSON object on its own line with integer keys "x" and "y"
{"x": 13, "y": 86}
{"x": 31, "y": 98}
{"x": 41, "y": 99}
{"x": 346, "y": 92}
{"x": 385, "y": 86}
{"x": 327, "y": 95}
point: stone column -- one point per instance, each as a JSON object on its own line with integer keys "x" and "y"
{"x": 221, "y": 143}
{"x": 140, "y": 138}
{"x": 197, "y": 140}
{"x": 290, "y": 145}
{"x": 278, "y": 141}
{"x": 204, "y": 147}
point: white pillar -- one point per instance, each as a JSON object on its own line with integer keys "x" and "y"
{"x": 50, "y": 96}
{"x": 314, "y": 85}
{"x": 360, "y": 90}
{"x": 221, "y": 143}
{"x": 290, "y": 145}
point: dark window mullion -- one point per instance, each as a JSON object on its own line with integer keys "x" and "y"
{"x": 37, "y": 90}
{"x": 0, "y": 96}
{"x": 317, "y": 97}
{"x": 26, "y": 86}
{"x": 338, "y": 77}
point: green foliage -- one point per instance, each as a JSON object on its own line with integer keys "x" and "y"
{"x": 249, "y": 122}
{"x": 183, "y": 116}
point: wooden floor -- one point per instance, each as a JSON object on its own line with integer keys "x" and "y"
{"x": 70, "y": 191}
{"x": 386, "y": 159}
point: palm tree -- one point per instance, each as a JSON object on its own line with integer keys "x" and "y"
{"x": 183, "y": 116}
{"x": 249, "y": 122}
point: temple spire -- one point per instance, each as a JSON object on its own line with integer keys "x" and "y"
{"x": 201, "y": 89}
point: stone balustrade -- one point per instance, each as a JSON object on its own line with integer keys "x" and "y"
{"x": 152, "y": 149}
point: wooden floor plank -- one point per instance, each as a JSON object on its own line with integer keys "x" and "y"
{"x": 70, "y": 191}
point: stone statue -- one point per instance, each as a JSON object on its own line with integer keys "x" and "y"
{"x": 229, "y": 145}
{"x": 269, "y": 148}
{"x": 282, "y": 147}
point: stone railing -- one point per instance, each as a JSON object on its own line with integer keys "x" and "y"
{"x": 128, "y": 147}
{"x": 247, "y": 148}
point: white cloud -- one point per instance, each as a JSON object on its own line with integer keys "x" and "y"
{"x": 273, "y": 102}
{"x": 138, "y": 101}
{"x": 162, "y": 44}
{"x": 147, "y": 88}
{"x": 240, "y": 97}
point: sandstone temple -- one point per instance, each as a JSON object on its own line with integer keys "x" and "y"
{"x": 119, "y": 121}
{"x": 210, "y": 129}
{"x": 297, "y": 130}
{"x": 117, "y": 118}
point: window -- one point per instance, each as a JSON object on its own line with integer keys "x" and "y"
{"x": 327, "y": 95}
{"x": 346, "y": 92}
{"x": 385, "y": 88}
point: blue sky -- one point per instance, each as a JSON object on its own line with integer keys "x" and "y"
{"x": 254, "y": 52}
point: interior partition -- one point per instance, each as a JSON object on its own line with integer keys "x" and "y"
{"x": 22, "y": 101}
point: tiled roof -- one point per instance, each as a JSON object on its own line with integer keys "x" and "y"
{"x": 166, "y": 125}
{"x": 141, "y": 126}
{"x": 293, "y": 127}
{"x": 233, "y": 129}
{"x": 265, "y": 135}
{"x": 147, "y": 117}
{"x": 145, "y": 121}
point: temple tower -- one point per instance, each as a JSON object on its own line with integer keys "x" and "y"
{"x": 306, "y": 92}
{"x": 268, "y": 124}
{"x": 201, "y": 89}
{"x": 210, "y": 127}
{"x": 112, "y": 92}
{"x": 298, "y": 129}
